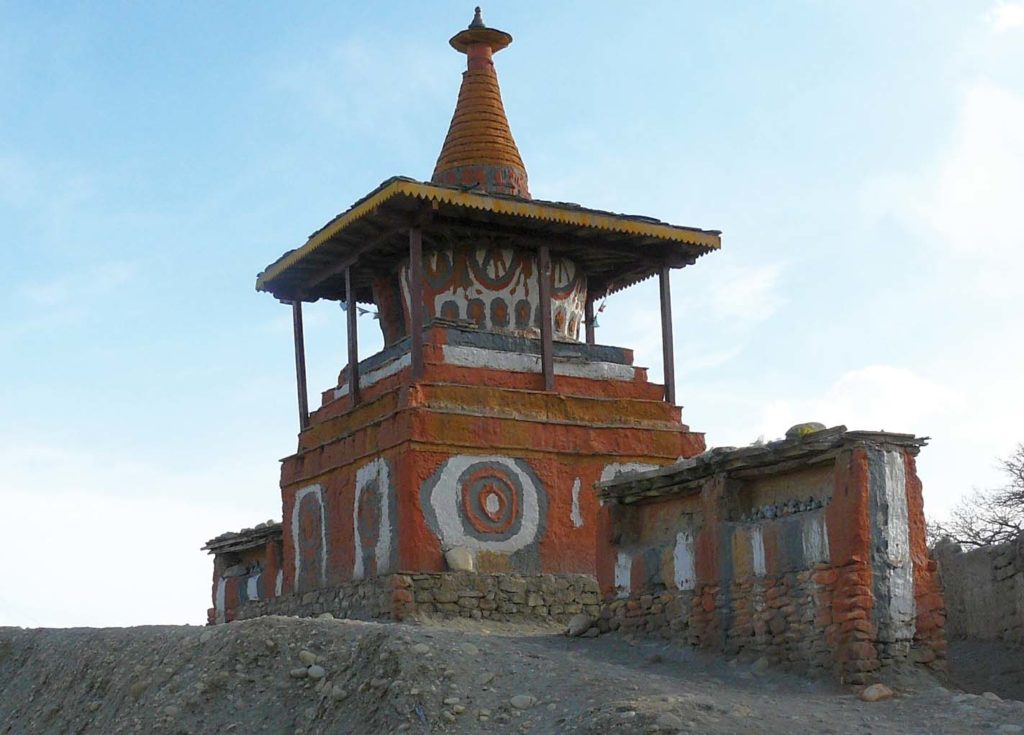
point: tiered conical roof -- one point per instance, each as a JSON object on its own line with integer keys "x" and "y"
{"x": 479, "y": 150}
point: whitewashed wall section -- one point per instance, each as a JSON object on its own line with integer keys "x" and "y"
{"x": 757, "y": 550}
{"x": 309, "y": 538}
{"x": 373, "y": 519}
{"x": 890, "y": 535}
{"x": 219, "y": 601}
{"x": 623, "y": 574}
{"x": 684, "y": 566}
{"x": 814, "y": 537}
{"x": 486, "y": 503}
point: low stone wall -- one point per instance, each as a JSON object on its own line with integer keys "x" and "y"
{"x": 984, "y": 590}
{"x": 809, "y": 552}
{"x": 445, "y": 594}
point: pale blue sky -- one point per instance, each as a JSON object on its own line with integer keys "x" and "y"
{"x": 865, "y": 162}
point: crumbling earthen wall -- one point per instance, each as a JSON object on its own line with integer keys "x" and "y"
{"x": 810, "y": 554}
{"x": 984, "y": 591}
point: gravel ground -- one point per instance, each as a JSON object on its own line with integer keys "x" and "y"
{"x": 301, "y": 676}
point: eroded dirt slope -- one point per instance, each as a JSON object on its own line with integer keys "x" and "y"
{"x": 286, "y": 675}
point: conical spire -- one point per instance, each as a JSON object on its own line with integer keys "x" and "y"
{"x": 479, "y": 149}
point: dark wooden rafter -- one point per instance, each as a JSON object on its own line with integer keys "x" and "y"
{"x": 547, "y": 346}
{"x": 300, "y": 364}
{"x": 588, "y": 317}
{"x": 667, "y": 347}
{"x": 352, "y": 314}
{"x": 343, "y": 265}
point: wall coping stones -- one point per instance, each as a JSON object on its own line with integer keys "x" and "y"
{"x": 688, "y": 475}
{"x": 247, "y": 538}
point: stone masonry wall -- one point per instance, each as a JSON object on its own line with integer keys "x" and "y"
{"x": 984, "y": 591}
{"x": 400, "y": 596}
{"x": 810, "y": 554}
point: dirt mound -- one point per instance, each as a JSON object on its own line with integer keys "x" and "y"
{"x": 286, "y": 675}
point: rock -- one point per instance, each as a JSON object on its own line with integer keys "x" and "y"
{"x": 876, "y": 693}
{"x": 578, "y": 625}
{"x": 171, "y": 711}
{"x": 448, "y": 716}
{"x": 485, "y": 678}
{"x": 460, "y": 559}
{"x": 469, "y": 649}
{"x": 307, "y": 658}
{"x": 991, "y": 696}
{"x": 762, "y": 664}
{"x": 325, "y": 616}
{"x": 299, "y": 673}
{"x": 316, "y": 672}
{"x": 799, "y": 430}
{"x": 451, "y": 700}
{"x": 205, "y": 636}
{"x": 592, "y": 632}
{"x": 523, "y": 701}
{"x": 668, "y": 721}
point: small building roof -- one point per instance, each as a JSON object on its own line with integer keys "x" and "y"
{"x": 247, "y": 538}
{"x": 744, "y": 462}
{"x": 371, "y": 236}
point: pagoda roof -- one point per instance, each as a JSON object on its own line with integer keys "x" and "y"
{"x": 371, "y": 237}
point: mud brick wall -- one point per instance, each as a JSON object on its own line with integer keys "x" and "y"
{"x": 506, "y": 597}
{"x": 984, "y": 591}
{"x": 808, "y": 551}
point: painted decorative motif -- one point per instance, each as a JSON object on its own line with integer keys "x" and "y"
{"x": 497, "y": 289}
{"x": 309, "y": 538}
{"x": 373, "y": 515}
{"x": 485, "y": 503}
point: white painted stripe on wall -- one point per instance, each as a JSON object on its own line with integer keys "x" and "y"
{"x": 757, "y": 550}
{"x": 684, "y": 572}
{"x": 902, "y": 609}
{"x": 218, "y": 602}
{"x": 252, "y": 588}
{"x": 623, "y": 574}
{"x": 575, "y": 516}
{"x": 378, "y": 469}
{"x": 814, "y": 534}
{"x": 279, "y": 583}
{"x": 520, "y": 362}
{"x": 377, "y": 374}
{"x": 299, "y": 495}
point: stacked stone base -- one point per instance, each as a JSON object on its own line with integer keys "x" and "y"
{"x": 815, "y": 621}
{"x": 503, "y": 597}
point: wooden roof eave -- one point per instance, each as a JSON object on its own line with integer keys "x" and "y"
{"x": 367, "y": 227}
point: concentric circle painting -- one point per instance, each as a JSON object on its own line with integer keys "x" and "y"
{"x": 485, "y": 503}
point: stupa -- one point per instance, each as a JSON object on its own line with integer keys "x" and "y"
{"x": 475, "y": 437}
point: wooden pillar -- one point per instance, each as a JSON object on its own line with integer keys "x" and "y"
{"x": 588, "y": 319}
{"x": 353, "y": 338}
{"x": 547, "y": 352}
{"x": 416, "y": 301}
{"x": 668, "y": 352}
{"x": 300, "y": 364}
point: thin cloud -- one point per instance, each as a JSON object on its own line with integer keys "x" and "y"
{"x": 1006, "y": 16}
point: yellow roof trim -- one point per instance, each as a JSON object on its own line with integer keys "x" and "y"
{"x": 520, "y": 208}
